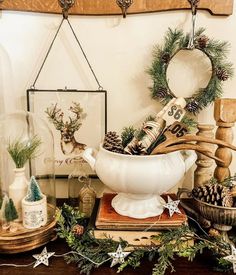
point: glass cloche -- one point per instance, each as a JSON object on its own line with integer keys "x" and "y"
{"x": 27, "y": 182}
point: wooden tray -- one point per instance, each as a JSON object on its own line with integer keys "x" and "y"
{"x": 28, "y": 239}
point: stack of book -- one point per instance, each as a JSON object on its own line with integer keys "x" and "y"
{"x": 108, "y": 222}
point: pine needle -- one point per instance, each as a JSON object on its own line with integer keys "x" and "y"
{"x": 22, "y": 151}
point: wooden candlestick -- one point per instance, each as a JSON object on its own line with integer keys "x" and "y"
{"x": 204, "y": 171}
{"x": 225, "y": 117}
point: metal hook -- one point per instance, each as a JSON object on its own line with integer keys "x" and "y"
{"x": 124, "y": 5}
{"x": 66, "y": 5}
{"x": 194, "y": 5}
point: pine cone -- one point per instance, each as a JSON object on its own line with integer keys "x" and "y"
{"x": 78, "y": 230}
{"x": 161, "y": 92}
{"x": 165, "y": 57}
{"x": 202, "y": 41}
{"x": 215, "y": 194}
{"x": 192, "y": 106}
{"x": 222, "y": 74}
{"x": 136, "y": 149}
{"x": 113, "y": 143}
{"x": 214, "y": 233}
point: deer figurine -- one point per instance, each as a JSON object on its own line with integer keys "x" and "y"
{"x": 68, "y": 128}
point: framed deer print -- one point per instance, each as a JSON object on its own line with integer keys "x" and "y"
{"x": 77, "y": 119}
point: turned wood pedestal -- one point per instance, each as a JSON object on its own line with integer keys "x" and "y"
{"x": 204, "y": 170}
{"x": 225, "y": 117}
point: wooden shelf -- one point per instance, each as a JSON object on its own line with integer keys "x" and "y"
{"x": 109, "y": 7}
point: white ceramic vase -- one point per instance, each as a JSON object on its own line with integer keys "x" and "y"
{"x": 18, "y": 189}
{"x": 34, "y": 213}
{"x": 139, "y": 180}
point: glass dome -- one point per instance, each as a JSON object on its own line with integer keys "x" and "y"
{"x": 27, "y": 180}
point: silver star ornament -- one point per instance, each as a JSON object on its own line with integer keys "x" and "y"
{"x": 232, "y": 258}
{"x": 172, "y": 206}
{"x": 118, "y": 256}
{"x": 43, "y": 257}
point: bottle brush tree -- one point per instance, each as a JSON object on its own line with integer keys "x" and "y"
{"x": 34, "y": 192}
{"x": 10, "y": 211}
{"x": 4, "y": 202}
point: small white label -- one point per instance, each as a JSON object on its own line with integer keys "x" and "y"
{"x": 174, "y": 113}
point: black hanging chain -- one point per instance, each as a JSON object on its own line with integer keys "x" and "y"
{"x": 85, "y": 56}
{"x": 66, "y": 5}
{"x": 49, "y": 49}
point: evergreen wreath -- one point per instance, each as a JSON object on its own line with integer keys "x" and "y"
{"x": 176, "y": 40}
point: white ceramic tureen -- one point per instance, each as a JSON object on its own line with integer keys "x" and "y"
{"x": 139, "y": 180}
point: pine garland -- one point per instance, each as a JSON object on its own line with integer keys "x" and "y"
{"x": 91, "y": 252}
{"x": 215, "y": 50}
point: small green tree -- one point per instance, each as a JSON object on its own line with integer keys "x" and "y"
{"x": 5, "y": 201}
{"x": 34, "y": 192}
{"x": 10, "y": 211}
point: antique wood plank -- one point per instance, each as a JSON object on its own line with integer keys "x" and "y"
{"x": 109, "y": 7}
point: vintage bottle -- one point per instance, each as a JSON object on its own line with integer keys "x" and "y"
{"x": 87, "y": 196}
{"x": 74, "y": 184}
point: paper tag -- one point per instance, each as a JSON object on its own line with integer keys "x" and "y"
{"x": 174, "y": 113}
{"x": 177, "y": 130}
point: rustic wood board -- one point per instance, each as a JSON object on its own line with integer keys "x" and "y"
{"x": 109, "y": 7}
{"x": 28, "y": 239}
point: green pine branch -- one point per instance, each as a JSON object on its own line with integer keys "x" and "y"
{"x": 172, "y": 39}
{"x": 134, "y": 260}
{"x": 190, "y": 123}
{"x": 89, "y": 253}
{"x": 22, "y": 151}
{"x": 127, "y": 135}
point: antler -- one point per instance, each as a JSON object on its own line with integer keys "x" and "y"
{"x": 55, "y": 115}
{"x": 75, "y": 122}
{"x": 186, "y": 146}
{"x": 190, "y": 138}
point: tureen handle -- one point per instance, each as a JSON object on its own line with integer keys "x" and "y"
{"x": 189, "y": 161}
{"x": 88, "y": 155}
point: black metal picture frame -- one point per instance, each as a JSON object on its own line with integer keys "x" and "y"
{"x": 77, "y": 119}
